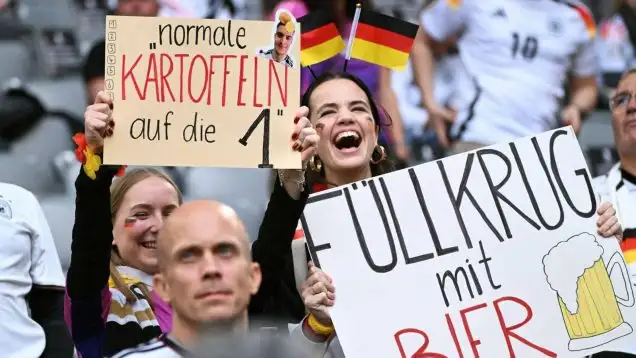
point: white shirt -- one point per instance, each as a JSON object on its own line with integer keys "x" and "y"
{"x": 614, "y": 47}
{"x": 162, "y": 347}
{"x": 620, "y": 190}
{"x": 27, "y": 258}
{"x": 516, "y": 55}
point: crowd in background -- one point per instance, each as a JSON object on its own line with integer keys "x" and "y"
{"x": 52, "y": 67}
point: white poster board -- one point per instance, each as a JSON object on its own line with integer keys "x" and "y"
{"x": 492, "y": 253}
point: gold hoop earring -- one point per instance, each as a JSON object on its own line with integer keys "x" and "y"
{"x": 315, "y": 164}
{"x": 379, "y": 149}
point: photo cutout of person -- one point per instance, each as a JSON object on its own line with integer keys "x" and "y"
{"x": 284, "y": 35}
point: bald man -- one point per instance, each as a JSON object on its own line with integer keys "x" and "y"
{"x": 205, "y": 273}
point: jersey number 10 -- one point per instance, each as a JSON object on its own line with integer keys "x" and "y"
{"x": 526, "y": 47}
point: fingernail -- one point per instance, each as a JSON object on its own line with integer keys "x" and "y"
{"x": 294, "y": 136}
{"x": 296, "y": 120}
{"x": 295, "y": 146}
{"x": 110, "y": 105}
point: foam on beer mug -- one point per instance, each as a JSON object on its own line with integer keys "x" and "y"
{"x": 566, "y": 262}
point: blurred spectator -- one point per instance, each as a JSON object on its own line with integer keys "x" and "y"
{"x": 619, "y": 184}
{"x": 511, "y": 83}
{"x": 93, "y": 71}
{"x": 616, "y": 47}
{"x": 137, "y": 7}
{"x": 32, "y": 282}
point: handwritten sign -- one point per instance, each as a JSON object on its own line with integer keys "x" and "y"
{"x": 201, "y": 92}
{"x": 493, "y": 253}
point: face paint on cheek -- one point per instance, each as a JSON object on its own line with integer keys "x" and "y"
{"x": 129, "y": 222}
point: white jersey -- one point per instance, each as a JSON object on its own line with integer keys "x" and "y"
{"x": 516, "y": 55}
{"x": 28, "y": 258}
{"x": 269, "y": 54}
{"x": 162, "y": 347}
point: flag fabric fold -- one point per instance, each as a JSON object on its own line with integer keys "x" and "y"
{"x": 320, "y": 39}
{"x": 383, "y": 40}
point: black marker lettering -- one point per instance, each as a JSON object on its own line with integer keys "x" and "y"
{"x": 427, "y": 216}
{"x": 526, "y": 183}
{"x": 495, "y": 190}
{"x": 456, "y": 200}
{"x": 484, "y": 260}
{"x": 361, "y": 240}
{"x": 398, "y": 231}
{"x": 578, "y": 172}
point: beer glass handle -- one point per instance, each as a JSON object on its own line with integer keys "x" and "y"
{"x": 617, "y": 259}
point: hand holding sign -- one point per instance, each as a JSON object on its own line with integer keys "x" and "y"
{"x": 318, "y": 294}
{"x": 98, "y": 123}
{"x": 305, "y": 137}
{"x": 607, "y": 222}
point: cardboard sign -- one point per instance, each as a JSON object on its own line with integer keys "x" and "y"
{"x": 202, "y": 92}
{"x": 492, "y": 253}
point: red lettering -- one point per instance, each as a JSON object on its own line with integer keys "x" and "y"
{"x": 254, "y": 100}
{"x": 212, "y": 57}
{"x": 421, "y": 352}
{"x": 154, "y": 78}
{"x": 508, "y": 330}
{"x": 239, "y": 98}
{"x": 191, "y": 77}
{"x": 225, "y": 73}
{"x": 451, "y": 328}
{"x": 126, "y": 73}
{"x": 164, "y": 76}
{"x": 181, "y": 56}
{"x": 473, "y": 342}
{"x": 283, "y": 94}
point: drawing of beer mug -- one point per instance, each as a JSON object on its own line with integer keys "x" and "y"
{"x": 576, "y": 271}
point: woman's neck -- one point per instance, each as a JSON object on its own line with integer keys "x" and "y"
{"x": 347, "y": 177}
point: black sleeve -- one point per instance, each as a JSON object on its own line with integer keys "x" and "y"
{"x": 92, "y": 236}
{"x": 273, "y": 245}
{"x": 47, "y": 309}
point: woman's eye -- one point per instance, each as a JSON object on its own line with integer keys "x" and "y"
{"x": 141, "y": 215}
{"x": 360, "y": 109}
{"x": 326, "y": 113}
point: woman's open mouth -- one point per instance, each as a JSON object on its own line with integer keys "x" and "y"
{"x": 347, "y": 141}
{"x": 150, "y": 245}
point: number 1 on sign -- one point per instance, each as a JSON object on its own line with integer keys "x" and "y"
{"x": 262, "y": 117}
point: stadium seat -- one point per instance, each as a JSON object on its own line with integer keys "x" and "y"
{"x": 29, "y": 163}
{"x": 16, "y": 60}
{"x": 60, "y": 213}
{"x": 245, "y": 190}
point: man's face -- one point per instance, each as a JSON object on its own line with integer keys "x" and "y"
{"x": 138, "y": 8}
{"x": 282, "y": 40}
{"x": 624, "y": 114}
{"x": 207, "y": 274}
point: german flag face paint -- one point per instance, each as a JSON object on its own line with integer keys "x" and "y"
{"x": 129, "y": 222}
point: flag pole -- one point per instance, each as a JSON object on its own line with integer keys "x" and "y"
{"x": 352, "y": 34}
{"x": 312, "y": 72}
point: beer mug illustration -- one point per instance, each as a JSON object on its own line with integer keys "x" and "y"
{"x": 576, "y": 271}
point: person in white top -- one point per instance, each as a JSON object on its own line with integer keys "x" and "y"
{"x": 517, "y": 56}
{"x": 31, "y": 281}
{"x": 619, "y": 185}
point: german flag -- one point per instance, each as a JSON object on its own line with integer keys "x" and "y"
{"x": 628, "y": 246}
{"x": 319, "y": 39}
{"x": 383, "y": 40}
{"x": 586, "y": 16}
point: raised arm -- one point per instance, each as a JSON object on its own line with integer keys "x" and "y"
{"x": 285, "y": 207}
{"x": 87, "y": 278}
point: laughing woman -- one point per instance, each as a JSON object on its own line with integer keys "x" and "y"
{"x": 339, "y": 110}
{"x": 339, "y": 123}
